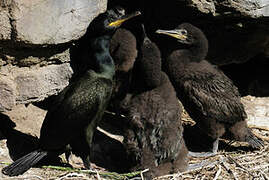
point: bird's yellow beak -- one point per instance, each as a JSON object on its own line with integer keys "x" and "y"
{"x": 174, "y": 33}
{"x": 118, "y": 22}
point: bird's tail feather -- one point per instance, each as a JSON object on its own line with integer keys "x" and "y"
{"x": 24, "y": 163}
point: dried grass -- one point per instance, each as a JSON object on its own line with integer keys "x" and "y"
{"x": 231, "y": 165}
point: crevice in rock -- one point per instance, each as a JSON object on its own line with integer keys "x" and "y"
{"x": 12, "y": 22}
{"x": 251, "y": 77}
{"x": 28, "y": 56}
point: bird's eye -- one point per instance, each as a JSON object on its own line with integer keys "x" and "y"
{"x": 184, "y": 32}
{"x": 120, "y": 11}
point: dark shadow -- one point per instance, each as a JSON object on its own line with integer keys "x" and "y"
{"x": 5, "y": 124}
{"x": 18, "y": 143}
{"x": 47, "y": 103}
{"x": 197, "y": 141}
{"x": 22, "y": 51}
{"x": 113, "y": 124}
{"x": 251, "y": 77}
{"x": 225, "y": 145}
{"x": 106, "y": 152}
{"x": 109, "y": 153}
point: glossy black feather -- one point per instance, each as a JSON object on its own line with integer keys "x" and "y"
{"x": 80, "y": 106}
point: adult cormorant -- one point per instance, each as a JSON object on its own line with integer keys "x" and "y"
{"x": 81, "y": 105}
{"x": 153, "y": 138}
{"x": 207, "y": 94}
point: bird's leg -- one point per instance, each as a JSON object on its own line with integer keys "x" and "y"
{"x": 206, "y": 154}
{"x": 215, "y": 146}
{"x": 87, "y": 162}
{"x": 89, "y": 135}
{"x": 68, "y": 152}
{"x": 198, "y": 165}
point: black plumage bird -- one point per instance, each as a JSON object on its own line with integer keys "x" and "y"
{"x": 153, "y": 138}
{"x": 79, "y": 106}
{"x": 210, "y": 97}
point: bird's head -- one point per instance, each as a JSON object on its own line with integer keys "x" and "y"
{"x": 190, "y": 35}
{"x": 112, "y": 19}
{"x": 185, "y": 33}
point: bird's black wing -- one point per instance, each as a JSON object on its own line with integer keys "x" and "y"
{"x": 78, "y": 107}
{"x": 214, "y": 95}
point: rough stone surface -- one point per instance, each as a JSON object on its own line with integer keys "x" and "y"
{"x": 26, "y": 85}
{"x": 204, "y": 6}
{"x": 5, "y": 27}
{"x": 42, "y": 22}
{"x": 249, "y": 8}
{"x": 257, "y": 109}
{"x": 7, "y": 95}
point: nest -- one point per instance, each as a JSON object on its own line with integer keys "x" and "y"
{"x": 235, "y": 164}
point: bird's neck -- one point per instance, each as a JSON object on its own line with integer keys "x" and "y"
{"x": 104, "y": 63}
{"x": 150, "y": 64}
{"x": 198, "y": 51}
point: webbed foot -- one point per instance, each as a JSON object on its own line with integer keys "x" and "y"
{"x": 206, "y": 154}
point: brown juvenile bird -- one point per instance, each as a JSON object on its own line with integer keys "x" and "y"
{"x": 153, "y": 137}
{"x": 123, "y": 50}
{"x": 210, "y": 97}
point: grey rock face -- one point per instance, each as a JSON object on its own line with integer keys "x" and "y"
{"x": 42, "y": 22}
{"x": 7, "y": 95}
{"x": 35, "y": 38}
{"x": 249, "y": 8}
{"x": 204, "y": 6}
{"x": 5, "y": 27}
{"x": 25, "y": 85}
{"x": 253, "y": 8}
{"x": 257, "y": 109}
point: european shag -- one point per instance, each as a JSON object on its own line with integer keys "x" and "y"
{"x": 153, "y": 138}
{"x": 80, "y": 105}
{"x": 210, "y": 97}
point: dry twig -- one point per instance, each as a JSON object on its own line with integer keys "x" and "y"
{"x": 218, "y": 173}
{"x": 141, "y": 173}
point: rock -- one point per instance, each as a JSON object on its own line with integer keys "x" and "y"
{"x": 25, "y": 85}
{"x": 204, "y": 6}
{"x": 30, "y": 75}
{"x": 35, "y": 38}
{"x": 27, "y": 119}
{"x": 253, "y": 78}
{"x": 7, "y": 95}
{"x": 252, "y": 8}
{"x": 42, "y": 22}
{"x": 248, "y": 8}
{"x": 236, "y": 42}
{"x": 5, "y": 26}
{"x": 257, "y": 110}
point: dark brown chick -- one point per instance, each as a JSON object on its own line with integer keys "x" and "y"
{"x": 210, "y": 97}
{"x": 123, "y": 50}
{"x": 153, "y": 138}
